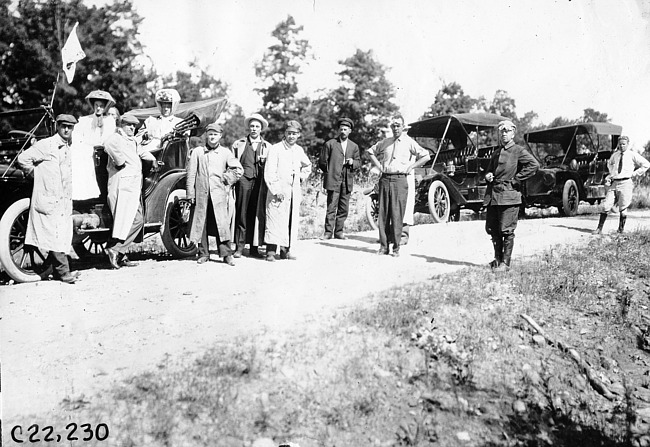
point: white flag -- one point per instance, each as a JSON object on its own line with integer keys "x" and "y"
{"x": 71, "y": 53}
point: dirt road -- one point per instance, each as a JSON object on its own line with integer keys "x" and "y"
{"x": 60, "y": 340}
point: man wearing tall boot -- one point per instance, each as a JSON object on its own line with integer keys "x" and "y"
{"x": 623, "y": 166}
{"x": 509, "y": 166}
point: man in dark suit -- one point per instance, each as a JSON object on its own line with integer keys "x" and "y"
{"x": 338, "y": 160}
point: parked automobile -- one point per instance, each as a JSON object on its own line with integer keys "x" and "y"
{"x": 573, "y": 165}
{"x": 166, "y": 210}
{"x": 460, "y": 145}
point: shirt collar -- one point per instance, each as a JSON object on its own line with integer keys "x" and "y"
{"x": 207, "y": 148}
{"x": 509, "y": 145}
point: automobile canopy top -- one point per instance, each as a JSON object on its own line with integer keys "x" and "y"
{"x": 564, "y": 134}
{"x": 438, "y": 126}
{"x": 207, "y": 111}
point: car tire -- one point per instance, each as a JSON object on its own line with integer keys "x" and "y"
{"x": 372, "y": 210}
{"x": 175, "y": 233}
{"x": 20, "y": 264}
{"x": 570, "y": 199}
{"x": 439, "y": 202}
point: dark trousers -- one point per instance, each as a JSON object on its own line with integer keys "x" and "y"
{"x": 204, "y": 245}
{"x": 500, "y": 224}
{"x": 393, "y": 191}
{"x": 122, "y": 246}
{"x": 338, "y": 202}
{"x": 59, "y": 262}
{"x": 247, "y": 193}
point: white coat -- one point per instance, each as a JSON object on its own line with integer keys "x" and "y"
{"x": 86, "y": 135}
{"x": 50, "y": 214}
{"x": 124, "y": 185}
{"x": 285, "y": 167}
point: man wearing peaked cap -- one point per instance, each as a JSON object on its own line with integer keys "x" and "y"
{"x": 509, "y": 166}
{"x": 339, "y": 159}
{"x": 286, "y": 166}
{"x": 124, "y": 168}
{"x": 250, "y": 191}
{"x": 49, "y": 227}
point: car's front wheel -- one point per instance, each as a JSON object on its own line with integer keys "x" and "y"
{"x": 372, "y": 209}
{"x": 570, "y": 199}
{"x": 439, "y": 202}
{"x": 175, "y": 233}
{"x": 23, "y": 263}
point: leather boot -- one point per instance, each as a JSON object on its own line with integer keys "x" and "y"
{"x": 508, "y": 245}
{"x": 497, "y": 243}
{"x": 621, "y": 223}
{"x": 601, "y": 222}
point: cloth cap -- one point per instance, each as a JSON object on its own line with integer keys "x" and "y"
{"x": 506, "y": 124}
{"x": 215, "y": 127}
{"x": 101, "y": 95}
{"x": 347, "y": 122}
{"x": 65, "y": 118}
{"x": 128, "y": 118}
{"x": 624, "y": 137}
{"x": 293, "y": 125}
{"x": 257, "y": 117}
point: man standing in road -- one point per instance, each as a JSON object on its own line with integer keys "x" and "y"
{"x": 250, "y": 191}
{"x": 50, "y": 215}
{"x": 509, "y": 166}
{"x": 623, "y": 166}
{"x": 286, "y": 166}
{"x": 124, "y": 167}
{"x": 338, "y": 160}
{"x": 211, "y": 173}
{"x": 395, "y": 157}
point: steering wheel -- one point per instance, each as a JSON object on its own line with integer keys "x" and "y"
{"x": 549, "y": 159}
{"x": 20, "y": 134}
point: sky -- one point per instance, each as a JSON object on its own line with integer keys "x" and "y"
{"x": 555, "y": 58}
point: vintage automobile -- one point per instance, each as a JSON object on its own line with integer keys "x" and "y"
{"x": 460, "y": 145}
{"x": 573, "y": 165}
{"x": 166, "y": 211}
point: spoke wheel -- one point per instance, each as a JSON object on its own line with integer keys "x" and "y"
{"x": 372, "y": 210}
{"x": 570, "y": 199}
{"x": 23, "y": 263}
{"x": 439, "y": 202}
{"x": 176, "y": 229}
{"x": 92, "y": 245}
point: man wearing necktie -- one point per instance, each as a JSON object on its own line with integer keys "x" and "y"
{"x": 395, "y": 157}
{"x": 623, "y": 166}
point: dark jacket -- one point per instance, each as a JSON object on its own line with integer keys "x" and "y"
{"x": 510, "y": 166}
{"x": 331, "y": 163}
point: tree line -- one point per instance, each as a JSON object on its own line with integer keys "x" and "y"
{"x": 33, "y": 31}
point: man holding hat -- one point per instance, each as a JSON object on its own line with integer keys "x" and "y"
{"x": 509, "y": 166}
{"x": 286, "y": 166}
{"x": 250, "y": 191}
{"x": 90, "y": 133}
{"x": 338, "y": 160}
{"x": 124, "y": 167}
{"x": 50, "y": 214}
{"x": 211, "y": 172}
{"x": 395, "y": 157}
{"x": 623, "y": 166}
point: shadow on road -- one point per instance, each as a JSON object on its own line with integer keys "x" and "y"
{"x": 446, "y": 261}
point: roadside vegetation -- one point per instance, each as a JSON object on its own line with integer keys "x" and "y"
{"x": 449, "y": 361}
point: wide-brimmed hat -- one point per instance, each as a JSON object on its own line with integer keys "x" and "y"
{"x": 215, "y": 127}
{"x": 101, "y": 95}
{"x": 128, "y": 118}
{"x": 293, "y": 125}
{"x": 257, "y": 117}
{"x": 506, "y": 124}
{"x": 65, "y": 118}
{"x": 346, "y": 121}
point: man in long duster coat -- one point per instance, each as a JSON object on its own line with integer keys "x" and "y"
{"x": 286, "y": 165}
{"x": 211, "y": 172}
{"x": 50, "y": 214}
{"x": 124, "y": 167}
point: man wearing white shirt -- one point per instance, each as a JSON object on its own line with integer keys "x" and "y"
{"x": 623, "y": 166}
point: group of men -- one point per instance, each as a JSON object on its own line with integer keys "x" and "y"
{"x": 250, "y": 194}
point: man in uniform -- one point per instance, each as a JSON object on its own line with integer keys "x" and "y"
{"x": 250, "y": 191}
{"x": 50, "y": 214}
{"x": 623, "y": 166}
{"x": 338, "y": 160}
{"x": 509, "y": 166}
{"x": 395, "y": 157}
{"x": 124, "y": 167}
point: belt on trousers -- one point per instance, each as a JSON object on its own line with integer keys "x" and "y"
{"x": 620, "y": 179}
{"x": 395, "y": 174}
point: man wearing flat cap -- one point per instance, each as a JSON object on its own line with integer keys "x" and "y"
{"x": 395, "y": 157}
{"x": 509, "y": 166}
{"x": 124, "y": 168}
{"x": 211, "y": 172}
{"x": 50, "y": 214}
{"x": 338, "y": 160}
{"x": 250, "y": 191}
{"x": 286, "y": 166}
